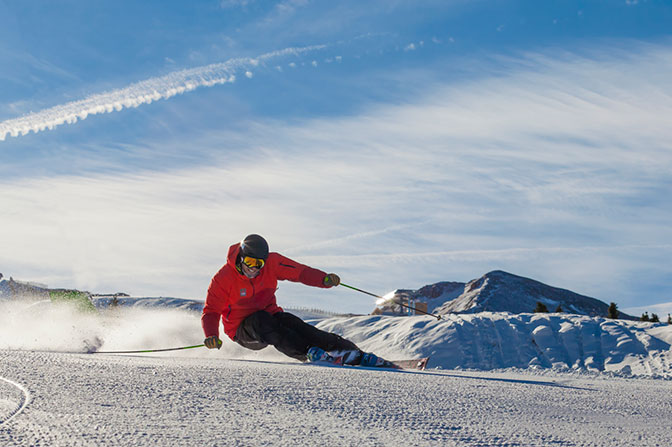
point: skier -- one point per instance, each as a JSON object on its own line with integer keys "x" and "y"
{"x": 242, "y": 294}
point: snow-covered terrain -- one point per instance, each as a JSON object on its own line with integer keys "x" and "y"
{"x": 490, "y": 340}
{"x": 168, "y": 400}
{"x": 482, "y": 341}
{"x": 494, "y": 379}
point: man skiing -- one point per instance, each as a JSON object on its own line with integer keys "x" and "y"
{"x": 242, "y": 294}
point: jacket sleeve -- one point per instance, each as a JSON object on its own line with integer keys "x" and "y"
{"x": 214, "y": 307}
{"x": 291, "y": 270}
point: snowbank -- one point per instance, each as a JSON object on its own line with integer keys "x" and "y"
{"x": 492, "y": 340}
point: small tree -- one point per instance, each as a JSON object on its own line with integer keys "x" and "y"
{"x": 645, "y": 317}
{"x": 669, "y": 319}
{"x": 654, "y": 318}
{"x": 613, "y": 311}
{"x": 541, "y": 308}
{"x": 559, "y": 309}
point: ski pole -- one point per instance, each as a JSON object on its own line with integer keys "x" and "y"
{"x": 147, "y": 350}
{"x": 438, "y": 317}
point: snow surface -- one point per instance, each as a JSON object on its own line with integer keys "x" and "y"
{"x": 483, "y": 341}
{"x": 494, "y": 379}
{"x": 79, "y": 399}
{"x": 494, "y": 340}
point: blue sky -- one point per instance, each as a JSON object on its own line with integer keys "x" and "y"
{"x": 397, "y": 143}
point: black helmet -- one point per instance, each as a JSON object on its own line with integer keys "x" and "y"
{"x": 254, "y": 246}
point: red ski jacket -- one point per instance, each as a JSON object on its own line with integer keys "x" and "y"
{"x": 232, "y": 296}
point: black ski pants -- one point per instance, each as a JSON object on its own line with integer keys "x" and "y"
{"x": 288, "y": 333}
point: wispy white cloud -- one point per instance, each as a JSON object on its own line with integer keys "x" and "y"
{"x": 229, "y": 4}
{"x": 349, "y": 238}
{"x": 144, "y": 92}
{"x": 554, "y": 167}
{"x": 289, "y": 6}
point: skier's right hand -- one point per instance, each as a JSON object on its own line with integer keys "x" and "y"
{"x": 212, "y": 342}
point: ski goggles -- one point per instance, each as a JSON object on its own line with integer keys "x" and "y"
{"x": 253, "y": 263}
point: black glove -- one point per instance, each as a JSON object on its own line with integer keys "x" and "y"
{"x": 331, "y": 280}
{"x": 213, "y": 342}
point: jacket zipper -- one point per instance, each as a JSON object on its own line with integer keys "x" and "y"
{"x": 252, "y": 284}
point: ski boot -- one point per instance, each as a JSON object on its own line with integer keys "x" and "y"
{"x": 316, "y": 354}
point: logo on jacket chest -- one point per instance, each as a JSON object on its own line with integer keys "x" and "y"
{"x": 243, "y": 292}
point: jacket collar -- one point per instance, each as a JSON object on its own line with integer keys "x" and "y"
{"x": 232, "y": 257}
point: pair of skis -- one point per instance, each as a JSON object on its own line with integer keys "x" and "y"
{"x": 377, "y": 362}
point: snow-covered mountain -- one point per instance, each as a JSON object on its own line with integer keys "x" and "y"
{"x": 499, "y": 291}
{"x": 107, "y": 302}
{"x": 433, "y": 296}
{"x": 110, "y": 301}
{"x": 11, "y": 289}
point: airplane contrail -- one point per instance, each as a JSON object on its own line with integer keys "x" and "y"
{"x": 143, "y": 92}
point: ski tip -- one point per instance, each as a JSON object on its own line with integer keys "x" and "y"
{"x": 423, "y": 363}
{"x": 417, "y": 364}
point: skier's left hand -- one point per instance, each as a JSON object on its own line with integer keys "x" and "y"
{"x": 332, "y": 280}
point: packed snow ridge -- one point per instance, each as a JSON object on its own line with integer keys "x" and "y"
{"x": 497, "y": 340}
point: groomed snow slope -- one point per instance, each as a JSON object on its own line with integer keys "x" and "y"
{"x": 86, "y": 400}
{"x": 240, "y": 397}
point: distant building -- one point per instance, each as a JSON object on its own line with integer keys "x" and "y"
{"x": 402, "y": 304}
{"x": 420, "y": 308}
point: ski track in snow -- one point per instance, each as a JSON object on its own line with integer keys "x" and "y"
{"x": 81, "y": 400}
{"x": 11, "y": 403}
